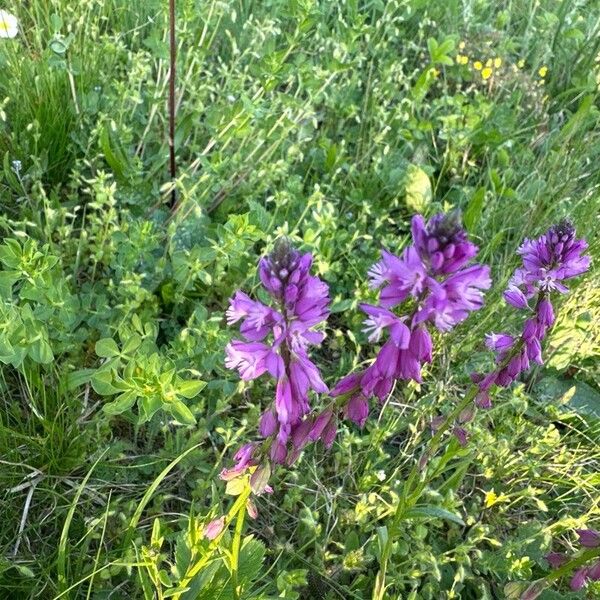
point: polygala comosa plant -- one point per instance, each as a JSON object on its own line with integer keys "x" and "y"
{"x": 434, "y": 284}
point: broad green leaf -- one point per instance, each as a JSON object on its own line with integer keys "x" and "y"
{"x": 418, "y": 189}
{"x": 107, "y": 348}
{"x": 78, "y": 378}
{"x": 236, "y": 486}
{"x": 133, "y": 343}
{"x": 190, "y": 389}
{"x": 571, "y": 395}
{"x": 122, "y": 403}
{"x": 7, "y": 280}
{"x": 181, "y": 412}
{"x": 102, "y": 383}
{"x": 41, "y": 352}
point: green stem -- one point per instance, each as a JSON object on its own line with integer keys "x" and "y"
{"x": 569, "y": 567}
{"x": 415, "y": 485}
{"x": 238, "y": 506}
{"x": 235, "y": 552}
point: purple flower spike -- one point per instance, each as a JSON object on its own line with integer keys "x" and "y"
{"x": 547, "y": 262}
{"x": 434, "y": 272}
{"x": 278, "y": 340}
{"x": 589, "y": 538}
{"x": 551, "y": 259}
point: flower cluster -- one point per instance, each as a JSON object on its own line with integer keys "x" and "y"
{"x": 434, "y": 275}
{"x": 300, "y": 302}
{"x": 546, "y": 263}
{"x": 588, "y": 538}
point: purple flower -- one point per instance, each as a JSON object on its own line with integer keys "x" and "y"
{"x": 514, "y": 296}
{"x": 400, "y": 277}
{"x": 357, "y": 409}
{"x": 214, "y": 528}
{"x": 268, "y": 424}
{"x": 442, "y": 243}
{"x": 461, "y": 435}
{"x": 252, "y": 359}
{"x": 347, "y": 384}
{"x": 547, "y": 261}
{"x": 545, "y": 313}
{"x": 589, "y": 538}
{"x": 278, "y": 341}
{"x": 381, "y": 319}
{"x": 556, "y": 559}
{"x": 434, "y": 272}
{"x": 594, "y": 572}
{"x": 551, "y": 259}
{"x": 244, "y": 458}
{"x": 579, "y": 578}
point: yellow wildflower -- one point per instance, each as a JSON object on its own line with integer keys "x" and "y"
{"x": 461, "y": 59}
{"x": 542, "y": 71}
{"x": 461, "y": 46}
{"x": 521, "y": 64}
{"x": 486, "y": 73}
{"x": 497, "y": 62}
{"x": 488, "y": 62}
{"x": 477, "y": 65}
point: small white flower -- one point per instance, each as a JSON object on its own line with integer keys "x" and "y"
{"x": 9, "y": 25}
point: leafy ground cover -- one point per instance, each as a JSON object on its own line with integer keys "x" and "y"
{"x": 331, "y": 123}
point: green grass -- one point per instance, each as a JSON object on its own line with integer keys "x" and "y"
{"x": 309, "y": 119}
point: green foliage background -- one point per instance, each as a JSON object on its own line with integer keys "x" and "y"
{"x": 331, "y": 122}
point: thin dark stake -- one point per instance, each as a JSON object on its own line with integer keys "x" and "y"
{"x": 173, "y": 56}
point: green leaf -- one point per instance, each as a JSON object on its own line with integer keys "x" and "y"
{"x": 122, "y": 403}
{"x": 433, "y": 512}
{"x": 190, "y": 389}
{"x": 181, "y": 412}
{"x": 474, "y": 209}
{"x": 133, "y": 343}
{"x": 382, "y": 538}
{"x": 78, "y": 378}
{"x": 107, "y": 348}
{"x": 102, "y": 383}
{"x": 41, "y": 352}
{"x": 235, "y": 486}
{"x": 571, "y": 394}
{"x": 418, "y": 189}
{"x": 25, "y": 571}
{"x": 7, "y": 280}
